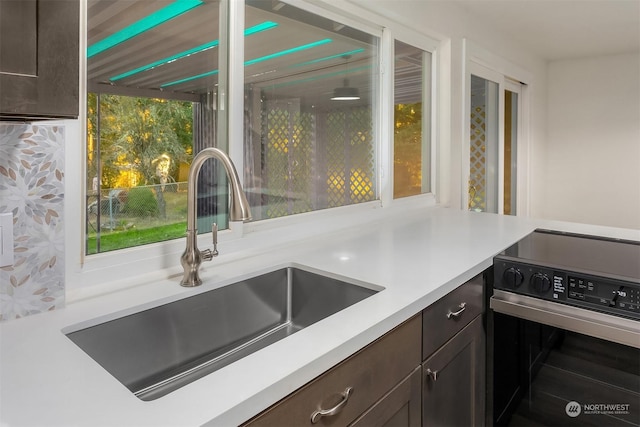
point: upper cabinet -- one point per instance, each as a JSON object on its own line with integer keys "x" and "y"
{"x": 39, "y": 59}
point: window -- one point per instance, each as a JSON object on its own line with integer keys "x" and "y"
{"x": 138, "y": 150}
{"x": 411, "y": 142}
{"x": 495, "y": 142}
{"x": 310, "y": 90}
{"x": 484, "y": 145}
{"x": 153, "y": 79}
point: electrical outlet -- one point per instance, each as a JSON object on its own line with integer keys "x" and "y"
{"x": 6, "y": 239}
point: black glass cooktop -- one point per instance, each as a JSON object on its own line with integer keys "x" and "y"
{"x": 615, "y": 258}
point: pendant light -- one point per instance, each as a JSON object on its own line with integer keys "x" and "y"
{"x": 346, "y": 92}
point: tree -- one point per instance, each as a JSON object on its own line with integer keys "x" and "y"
{"x": 407, "y": 149}
{"x": 139, "y": 130}
{"x": 134, "y": 132}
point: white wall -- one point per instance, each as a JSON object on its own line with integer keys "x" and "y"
{"x": 593, "y": 146}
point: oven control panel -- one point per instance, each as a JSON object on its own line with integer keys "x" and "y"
{"x": 595, "y": 293}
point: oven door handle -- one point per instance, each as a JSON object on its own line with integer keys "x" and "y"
{"x": 599, "y": 325}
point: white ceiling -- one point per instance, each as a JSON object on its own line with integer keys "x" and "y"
{"x": 564, "y": 29}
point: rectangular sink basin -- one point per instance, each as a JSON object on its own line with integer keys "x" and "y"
{"x": 158, "y": 350}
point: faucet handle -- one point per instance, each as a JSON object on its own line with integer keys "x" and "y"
{"x": 206, "y": 255}
{"x": 214, "y": 233}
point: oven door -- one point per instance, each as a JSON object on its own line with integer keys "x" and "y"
{"x": 554, "y": 364}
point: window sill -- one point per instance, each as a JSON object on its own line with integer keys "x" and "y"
{"x": 127, "y": 268}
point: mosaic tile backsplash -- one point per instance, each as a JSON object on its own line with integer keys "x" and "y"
{"x": 32, "y": 188}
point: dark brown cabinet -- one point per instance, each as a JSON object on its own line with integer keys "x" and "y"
{"x": 453, "y": 392}
{"x": 39, "y": 59}
{"x": 373, "y": 384}
{"x": 401, "y": 407}
{"x": 454, "y": 369}
{"x": 429, "y": 371}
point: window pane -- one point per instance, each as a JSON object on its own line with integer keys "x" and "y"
{"x": 483, "y": 173}
{"x": 309, "y": 112}
{"x": 411, "y": 144}
{"x": 152, "y": 76}
{"x": 510, "y": 151}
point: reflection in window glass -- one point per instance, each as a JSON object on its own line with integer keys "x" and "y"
{"x": 510, "y": 151}
{"x": 309, "y": 112}
{"x": 411, "y": 144}
{"x": 483, "y": 146}
{"x": 152, "y": 76}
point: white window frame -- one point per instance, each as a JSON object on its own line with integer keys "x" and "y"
{"x": 441, "y": 62}
{"x": 483, "y": 63}
{"x": 517, "y": 88}
{"x": 493, "y": 131}
{"x": 87, "y": 276}
{"x": 431, "y": 46}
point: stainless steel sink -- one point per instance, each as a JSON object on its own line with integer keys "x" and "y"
{"x": 158, "y": 350}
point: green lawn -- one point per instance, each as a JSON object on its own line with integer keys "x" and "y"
{"x": 113, "y": 240}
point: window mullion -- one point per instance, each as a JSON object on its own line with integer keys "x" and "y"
{"x": 385, "y": 141}
{"x": 234, "y": 102}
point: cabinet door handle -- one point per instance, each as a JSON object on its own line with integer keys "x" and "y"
{"x": 317, "y": 415}
{"x": 432, "y": 374}
{"x": 455, "y": 314}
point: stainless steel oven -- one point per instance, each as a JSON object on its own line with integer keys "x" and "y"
{"x": 564, "y": 332}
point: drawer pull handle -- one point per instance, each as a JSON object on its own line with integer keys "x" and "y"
{"x": 455, "y": 314}
{"x": 317, "y": 415}
{"x": 432, "y": 374}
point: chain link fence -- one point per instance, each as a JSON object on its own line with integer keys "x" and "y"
{"x": 136, "y": 207}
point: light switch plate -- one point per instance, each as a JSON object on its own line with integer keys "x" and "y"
{"x": 6, "y": 239}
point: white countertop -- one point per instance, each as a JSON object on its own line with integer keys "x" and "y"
{"x": 418, "y": 256}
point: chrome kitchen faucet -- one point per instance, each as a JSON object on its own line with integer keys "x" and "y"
{"x": 238, "y": 211}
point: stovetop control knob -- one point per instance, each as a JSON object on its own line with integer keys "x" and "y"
{"x": 512, "y": 277}
{"x": 540, "y": 282}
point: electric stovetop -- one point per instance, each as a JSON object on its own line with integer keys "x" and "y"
{"x": 606, "y": 257}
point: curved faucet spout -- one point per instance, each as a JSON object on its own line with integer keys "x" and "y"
{"x": 238, "y": 211}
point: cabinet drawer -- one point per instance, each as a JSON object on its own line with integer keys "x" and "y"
{"x": 370, "y": 374}
{"x": 447, "y": 316}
